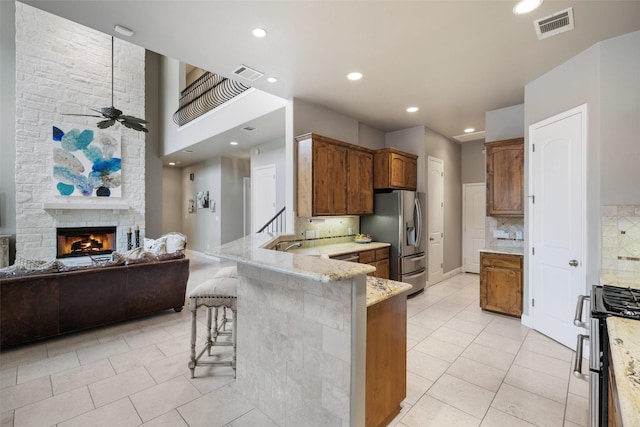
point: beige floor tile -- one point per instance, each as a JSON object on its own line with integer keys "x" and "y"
{"x": 23, "y": 394}
{"x": 440, "y": 349}
{"x": 47, "y": 366}
{"x": 180, "y": 328}
{"x": 175, "y": 345}
{"x": 489, "y": 356}
{"x": 101, "y": 351}
{"x": 544, "y": 385}
{"x": 498, "y": 342}
{"x": 495, "y": 418}
{"x": 147, "y": 337}
{"x": 252, "y": 419}
{"x": 430, "y": 412}
{"x": 538, "y": 343}
{"x": 577, "y": 410}
{"x": 543, "y": 364}
{"x": 417, "y": 386}
{"x": 426, "y": 321}
{"x": 6, "y": 418}
{"x": 8, "y": 377}
{"x": 136, "y": 358}
{"x": 465, "y": 326}
{"x": 508, "y": 328}
{"x": 474, "y": 316}
{"x": 72, "y": 342}
{"x": 417, "y": 333}
{"x": 476, "y": 373}
{"x": 570, "y": 424}
{"x": 170, "y": 419}
{"x": 23, "y": 355}
{"x": 171, "y": 367}
{"x": 117, "y": 414}
{"x": 216, "y": 408}
{"x": 452, "y": 336}
{"x": 578, "y": 386}
{"x": 411, "y": 344}
{"x": 209, "y": 378}
{"x": 169, "y": 395}
{"x": 404, "y": 409}
{"x": 55, "y": 409}
{"x": 81, "y": 376}
{"x": 424, "y": 365}
{"x": 530, "y": 407}
{"x": 116, "y": 387}
{"x": 467, "y": 397}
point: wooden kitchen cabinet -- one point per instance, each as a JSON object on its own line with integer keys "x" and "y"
{"x": 334, "y": 178}
{"x": 395, "y": 169}
{"x": 379, "y": 258}
{"x": 505, "y": 177}
{"x": 386, "y": 360}
{"x": 501, "y": 283}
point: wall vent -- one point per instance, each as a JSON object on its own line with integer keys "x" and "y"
{"x": 248, "y": 73}
{"x": 554, "y": 24}
{"x": 249, "y": 128}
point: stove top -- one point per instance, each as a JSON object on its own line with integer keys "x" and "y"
{"x": 616, "y": 301}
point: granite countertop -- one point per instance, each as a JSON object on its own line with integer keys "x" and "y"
{"x": 336, "y": 249}
{"x": 504, "y": 250}
{"x": 622, "y": 279}
{"x": 381, "y": 289}
{"x": 624, "y": 341}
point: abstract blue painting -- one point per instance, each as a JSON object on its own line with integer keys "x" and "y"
{"x": 87, "y": 163}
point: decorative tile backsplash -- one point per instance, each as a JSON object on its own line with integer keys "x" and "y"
{"x": 621, "y": 237}
{"x": 325, "y": 227}
{"x": 513, "y": 226}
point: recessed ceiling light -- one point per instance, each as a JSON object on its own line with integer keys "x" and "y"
{"x": 526, "y": 6}
{"x": 233, "y": 143}
{"x": 259, "y": 33}
{"x": 172, "y": 164}
{"x": 189, "y": 151}
{"x": 469, "y": 130}
{"x": 123, "y": 30}
{"x": 272, "y": 79}
{"x": 412, "y": 109}
{"x": 354, "y": 76}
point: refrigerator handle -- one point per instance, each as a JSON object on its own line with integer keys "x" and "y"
{"x": 418, "y": 212}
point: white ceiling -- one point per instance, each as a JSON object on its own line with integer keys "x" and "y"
{"x": 454, "y": 60}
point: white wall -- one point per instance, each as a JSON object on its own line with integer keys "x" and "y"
{"x": 172, "y": 210}
{"x": 273, "y": 153}
{"x": 370, "y": 137}
{"x": 473, "y": 161}
{"x": 231, "y": 199}
{"x": 504, "y": 123}
{"x": 309, "y": 117}
{"x": 63, "y": 67}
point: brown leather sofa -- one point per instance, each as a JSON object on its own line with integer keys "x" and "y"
{"x": 42, "y": 305}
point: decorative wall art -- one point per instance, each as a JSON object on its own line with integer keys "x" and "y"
{"x": 203, "y": 199}
{"x": 192, "y": 206}
{"x": 87, "y": 163}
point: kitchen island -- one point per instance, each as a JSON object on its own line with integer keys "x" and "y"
{"x": 302, "y": 332}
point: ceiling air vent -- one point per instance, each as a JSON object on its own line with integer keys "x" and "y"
{"x": 247, "y": 73}
{"x": 249, "y": 128}
{"x": 555, "y": 24}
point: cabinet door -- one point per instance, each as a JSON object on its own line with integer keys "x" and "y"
{"x": 382, "y": 269}
{"x": 360, "y": 183}
{"x": 505, "y": 178}
{"x": 501, "y": 290}
{"x": 411, "y": 174}
{"x": 329, "y": 179}
{"x": 397, "y": 178}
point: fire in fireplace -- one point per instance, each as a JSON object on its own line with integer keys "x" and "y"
{"x": 82, "y": 241}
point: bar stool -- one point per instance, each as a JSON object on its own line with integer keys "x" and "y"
{"x": 214, "y": 294}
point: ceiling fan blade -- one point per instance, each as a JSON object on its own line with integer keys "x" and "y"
{"x": 111, "y": 112}
{"x": 134, "y": 126}
{"x": 133, "y": 119}
{"x": 81, "y": 115}
{"x": 103, "y": 124}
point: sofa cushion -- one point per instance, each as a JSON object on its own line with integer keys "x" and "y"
{"x": 230, "y": 272}
{"x": 156, "y": 246}
{"x": 24, "y": 266}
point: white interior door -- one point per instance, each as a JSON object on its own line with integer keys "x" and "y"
{"x": 435, "y": 220}
{"x": 246, "y": 205}
{"x": 473, "y": 218}
{"x": 558, "y": 218}
{"x": 263, "y": 195}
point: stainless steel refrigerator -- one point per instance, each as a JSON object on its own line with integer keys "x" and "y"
{"x": 398, "y": 219}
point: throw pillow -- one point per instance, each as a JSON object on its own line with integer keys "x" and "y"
{"x": 175, "y": 241}
{"x": 156, "y": 246}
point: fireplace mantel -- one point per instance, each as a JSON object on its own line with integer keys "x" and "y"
{"x": 110, "y": 205}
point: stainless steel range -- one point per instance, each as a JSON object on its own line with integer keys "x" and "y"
{"x": 605, "y": 301}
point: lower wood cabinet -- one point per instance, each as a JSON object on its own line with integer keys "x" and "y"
{"x": 501, "y": 283}
{"x": 379, "y": 258}
{"x": 386, "y": 372}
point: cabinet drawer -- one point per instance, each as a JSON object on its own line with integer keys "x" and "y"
{"x": 501, "y": 260}
{"x": 367, "y": 256}
{"x": 382, "y": 254}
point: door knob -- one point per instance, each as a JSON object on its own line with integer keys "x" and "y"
{"x": 431, "y": 238}
{"x": 573, "y": 263}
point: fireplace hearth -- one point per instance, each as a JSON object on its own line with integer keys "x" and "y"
{"x": 83, "y": 241}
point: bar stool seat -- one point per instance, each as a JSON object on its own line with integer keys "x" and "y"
{"x": 215, "y": 293}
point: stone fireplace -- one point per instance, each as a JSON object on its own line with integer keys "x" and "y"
{"x": 83, "y": 241}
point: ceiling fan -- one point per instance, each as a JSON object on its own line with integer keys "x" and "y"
{"x": 111, "y": 115}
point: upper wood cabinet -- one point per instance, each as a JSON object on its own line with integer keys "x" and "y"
{"x": 505, "y": 177}
{"x": 334, "y": 178}
{"x": 395, "y": 169}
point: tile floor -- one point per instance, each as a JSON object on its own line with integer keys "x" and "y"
{"x": 465, "y": 367}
